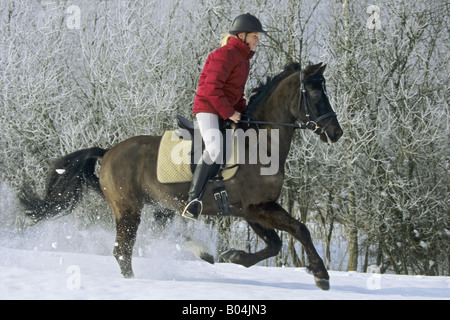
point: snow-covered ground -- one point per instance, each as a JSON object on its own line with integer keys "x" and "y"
{"x": 57, "y": 259}
{"x": 35, "y": 274}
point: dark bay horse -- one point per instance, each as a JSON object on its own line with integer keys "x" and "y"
{"x": 128, "y": 178}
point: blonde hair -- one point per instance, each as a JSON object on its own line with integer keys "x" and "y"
{"x": 225, "y": 39}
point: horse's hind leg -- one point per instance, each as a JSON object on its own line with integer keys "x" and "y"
{"x": 127, "y": 223}
{"x": 163, "y": 217}
{"x": 246, "y": 259}
{"x": 273, "y": 215}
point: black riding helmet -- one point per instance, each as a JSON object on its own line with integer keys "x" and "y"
{"x": 246, "y": 23}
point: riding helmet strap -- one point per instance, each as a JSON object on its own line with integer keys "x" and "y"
{"x": 245, "y": 38}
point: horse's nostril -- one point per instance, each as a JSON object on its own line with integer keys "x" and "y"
{"x": 338, "y": 133}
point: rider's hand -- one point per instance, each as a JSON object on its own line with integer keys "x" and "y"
{"x": 235, "y": 117}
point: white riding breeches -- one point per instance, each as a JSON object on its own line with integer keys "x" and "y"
{"x": 208, "y": 124}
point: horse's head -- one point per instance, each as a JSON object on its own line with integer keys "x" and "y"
{"x": 314, "y": 108}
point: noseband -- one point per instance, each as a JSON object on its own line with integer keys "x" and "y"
{"x": 311, "y": 124}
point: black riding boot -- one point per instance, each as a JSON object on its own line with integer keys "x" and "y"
{"x": 203, "y": 172}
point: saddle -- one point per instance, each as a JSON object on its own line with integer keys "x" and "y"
{"x": 194, "y": 133}
{"x": 178, "y": 156}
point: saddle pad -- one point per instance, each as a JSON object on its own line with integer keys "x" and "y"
{"x": 174, "y": 159}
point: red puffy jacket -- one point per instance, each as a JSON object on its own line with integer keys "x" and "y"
{"x": 221, "y": 86}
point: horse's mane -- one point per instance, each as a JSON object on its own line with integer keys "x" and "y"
{"x": 259, "y": 93}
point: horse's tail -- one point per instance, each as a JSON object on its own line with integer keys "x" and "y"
{"x": 64, "y": 185}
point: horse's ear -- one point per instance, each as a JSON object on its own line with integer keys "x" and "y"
{"x": 322, "y": 69}
{"x": 313, "y": 69}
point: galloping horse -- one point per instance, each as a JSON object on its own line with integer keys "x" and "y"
{"x": 128, "y": 178}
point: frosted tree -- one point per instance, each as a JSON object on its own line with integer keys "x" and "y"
{"x": 93, "y": 73}
{"x": 390, "y": 87}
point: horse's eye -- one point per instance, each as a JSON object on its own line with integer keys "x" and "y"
{"x": 316, "y": 94}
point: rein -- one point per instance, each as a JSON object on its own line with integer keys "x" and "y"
{"x": 310, "y": 124}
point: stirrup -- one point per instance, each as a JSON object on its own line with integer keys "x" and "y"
{"x": 188, "y": 215}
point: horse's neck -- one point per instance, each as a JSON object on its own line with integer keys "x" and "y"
{"x": 276, "y": 109}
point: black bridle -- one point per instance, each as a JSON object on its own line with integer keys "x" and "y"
{"x": 311, "y": 124}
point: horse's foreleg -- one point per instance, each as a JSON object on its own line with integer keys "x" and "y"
{"x": 126, "y": 229}
{"x": 246, "y": 259}
{"x": 273, "y": 215}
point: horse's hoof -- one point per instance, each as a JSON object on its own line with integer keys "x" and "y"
{"x": 128, "y": 275}
{"x": 207, "y": 257}
{"x": 321, "y": 283}
{"x": 199, "y": 250}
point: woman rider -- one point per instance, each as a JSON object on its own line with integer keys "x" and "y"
{"x": 220, "y": 93}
